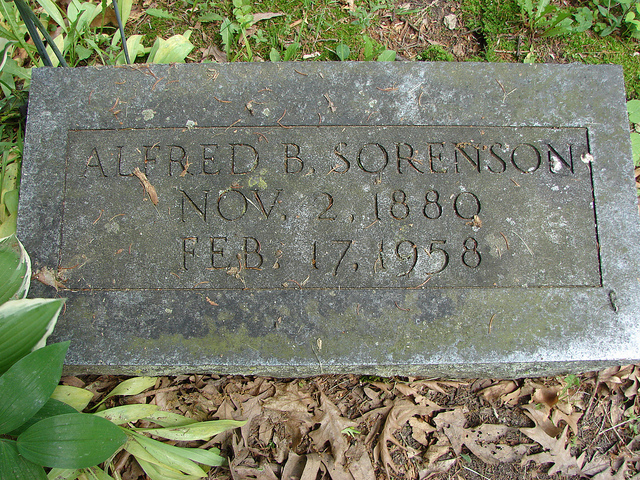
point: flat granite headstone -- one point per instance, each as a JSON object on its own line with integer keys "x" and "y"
{"x": 292, "y": 219}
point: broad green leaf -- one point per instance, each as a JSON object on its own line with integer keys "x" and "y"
{"x": 16, "y": 267}
{"x": 28, "y": 384}
{"x": 49, "y": 409}
{"x": 14, "y": 467}
{"x": 128, "y": 413}
{"x": 170, "y": 463}
{"x": 172, "y": 50}
{"x": 74, "y": 440}
{"x": 78, "y": 398}
{"x": 274, "y": 55}
{"x": 63, "y": 473}
{"x": 197, "y": 431}
{"x": 387, "y": 56}
{"x": 170, "y": 419}
{"x": 24, "y": 326}
{"x": 134, "y": 46}
{"x": 160, "y": 13}
{"x": 131, "y": 386}
{"x": 209, "y": 457}
{"x": 633, "y": 107}
{"x": 342, "y": 51}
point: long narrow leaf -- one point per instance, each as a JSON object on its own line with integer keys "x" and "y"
{"x": 170, "y": 419}
{"x": 209, "y": 457}
{"x": 197, "y": 431}
{"x": 53, "y": 11}
{"x": 33, "y": 31}
{"x": 127, "y": 413}
{"x": 13, "y": 466}
{"x": 167, "y": 468}
{"x": 28, "y": 384}
{"x": 25, "y": 325}
{"x": 156, "y": 473}
{"x": 16, "y": 267}
{"x": 75, "y": 440}
{"x": 131, "y": 386}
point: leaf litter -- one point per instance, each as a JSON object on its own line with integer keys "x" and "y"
{"x": 346, "y": 427}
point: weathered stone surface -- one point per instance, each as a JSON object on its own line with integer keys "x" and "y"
{"x": 400, "y": 218}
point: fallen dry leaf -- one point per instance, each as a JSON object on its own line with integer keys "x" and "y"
{"x": 332, "y": 423}
{"x": 540, "y": 416}
{"x": 499, "y": 390}
{"x": 557, "y": 451}
{"x": 150, "y": 189}
{"x": 399, "y": 414}
{"x": 49, "y": 277}
{"x": 481, "y": 440}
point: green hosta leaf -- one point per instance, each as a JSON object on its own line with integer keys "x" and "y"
{"x": 78, "y": 398}
{"x": 196, "y": 431}
{"x": 170, "y": 419}
{"x": 160, "y": 13}
{"x": 25, "y": 325}
{"x": 14, "y": 467}
{"x": 15, "y": 266}
{"x": 387, "y": 56}
{"x": 131, "y": 386}
{"x": 28, "y": 384}
{"x": 75, "y": 440}
{"x": 51, "y": 408}
{"x": 172, "y": 50}
{"x": 342, "y": 51}
{"x": 128, "y": 413}
{"x": 633, "y": 107}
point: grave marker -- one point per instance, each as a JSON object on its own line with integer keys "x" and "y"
{"x": 295, "y": 219}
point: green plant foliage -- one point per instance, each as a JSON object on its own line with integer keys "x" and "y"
{"x": 196, "y": 431}
{"x": 172, "y": 50}
{"x": 161, "y": 13}
{"x": 49, "y": 409}
{"x": 27, "y": 385}
{"x": 435, "y": 53}
{"x": 77, "y": 398}
{"x": 14, "y": 466}
{"x": 342, "y": 51}
{"x": 72, "y": 440}
{"x": 15, "y": 263}
{"x": 25, "y": 325}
